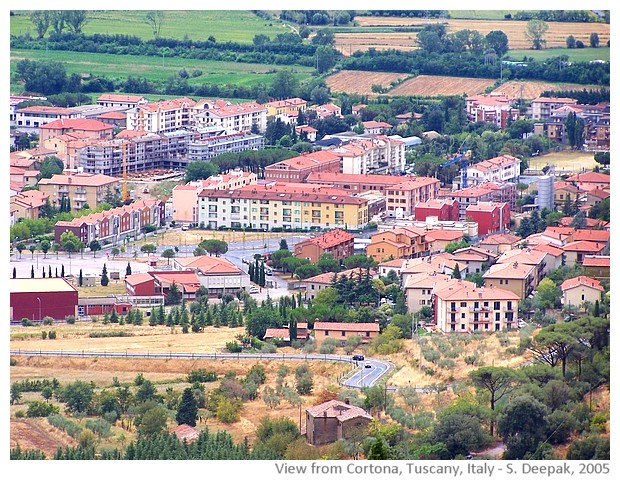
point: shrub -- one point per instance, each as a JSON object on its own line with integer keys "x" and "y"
{"x": 20, "y": 414}
{"x": 70, "y": 319}
{"x": 43, "y": 334}
{"x": 100, "y": 426}
{"x": 446, "y": 363}
{"x": 26, "y": 322}
{"x": 13, "y": 361}
{"x": 63, "y": 423}
{"x": 228, "y": 410}
{"x": 268, "y": 348}
{"x": 430, "y": 355}
{"x": 328, "y": 346}
{"x": 309, "y": 346}
{"x": 233, "y": 347}
{"x": 201, "y": 375}
{"x": 470, "y": 359}
{"x": 51, "y": 334}
{"x": 110, "y": 333}
{"x": 48, "y": 320}
{"x": 41, "y": 409}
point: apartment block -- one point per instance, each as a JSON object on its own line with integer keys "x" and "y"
{"x": 79, "y": 189}
{"x": 336, "y": 242}
{"x": 402, "y": 198}
{"x": 297, "y": 169}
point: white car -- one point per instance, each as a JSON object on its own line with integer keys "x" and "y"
{"x": 253, "y": 289}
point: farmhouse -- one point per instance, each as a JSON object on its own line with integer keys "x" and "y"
{"x": 341, "y": 331}
{"x": 579, "y": 290}
{"x": 334, "y": 420}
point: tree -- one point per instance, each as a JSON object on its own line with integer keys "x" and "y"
{"x": 548, "y": 295}
{"x": 104, "y": 277}
{"x": 594, "y": 40}
{"x": 70, "y": 243}
{"x": 498, "y": 41}
{"x": 128, "y": 270}
{"x": 155, "y": 18}
{"x": 283, "y": 244}
{"x": 46, "y": 78}
{"x": 78, "y": 396}
{"x": 574, "y": 130}
{"x": 324, "y": 36}
{"x": 168, "y": 253}
{"x": 148, "y": 248}
{"x": 284, "y": 84}
{"x": 461, "y": 433}
{"x": 498, "y": 381}
{"x": 32, "y": 271}
{"x": 325, "y": 59}
{"x": 14, "y": 272}
{"x": 188, "y": 409}
{"x": 555, "y": 343}
{"x": 571, "y": 41}
{"x": 153, "y": 421}
{"x": 522, "y": 426}
{"x": 327, "y": 263}
{"x": 214, "y": 247}
{"x": 94, "y": 246}
{"x": 306, "y": 271}
{"x": 44, "y": 246}
{"x": 41, "y": 20}
{"x": 456, "y": 273}
{"x": 80, "y": 279}
{"x": 76, "y": 19}
{"x": 535, "y": 32}
{"x": 174, "y": 295}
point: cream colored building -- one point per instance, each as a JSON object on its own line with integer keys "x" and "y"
{"x": 578, "y": 290}
{"x": 463, "y": 308}
{"x": 80, "y": 189}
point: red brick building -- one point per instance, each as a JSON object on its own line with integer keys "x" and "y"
{"x": 491, "y": 216}
{"x": 337, "y": 242}
{"x": 442, "y": 209}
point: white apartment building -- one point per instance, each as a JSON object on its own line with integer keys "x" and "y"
{"x": 378, "y": 155}
{"x": 240, "y": 117}
{"x": 160, "y": 117}
{"x": 504, "y": 168}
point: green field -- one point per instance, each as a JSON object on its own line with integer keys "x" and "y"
{"x": 156, "y": 69}
{"x": 574, "y": 54}
{"x": 198, "y": 25}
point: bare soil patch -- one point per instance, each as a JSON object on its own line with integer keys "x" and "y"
{"x": 430, "y": 86}
{"x": 360, "y": 82}
{"x": 567, "y": 161}
{"x": 38, "y": 434}
{"x": 531, "y": 89}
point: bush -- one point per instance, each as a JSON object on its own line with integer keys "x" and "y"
{"x": 268, "y": 348}
{"x": 20, "y": 414}
{"x": 228, "y": 410}
{"x": 431, "y": 355}
{"x": 110, "y": 333}
{"x": 41, "y": 409}
{"x": 48, "y": 320}
{"x": 233, "y": 347}
{"x": 70, "y": 319}
{"x": 100, "y": 426}
{"x": 201, "y": 375}
{"x": 51, "y": 334}
{"x": 328, "y": 346}
{"x": 13, "y": 361}
{"x": 26, "y": 322}
{"x": 63, "y": 423}
{"x": 309, "y": 346}
{"x": 43, "y": 334}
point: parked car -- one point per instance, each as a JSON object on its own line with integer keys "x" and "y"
{"x": 358, "y": 357}
{"x": 253, "y": 289}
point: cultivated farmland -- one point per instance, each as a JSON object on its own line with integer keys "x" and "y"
{"x": 354, "y": 81}
{"x": 432, "y": 86}
{"x": 530, "y": 89}
{"x": 348, "y": 43}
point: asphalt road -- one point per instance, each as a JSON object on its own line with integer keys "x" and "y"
{"x": 363, "y": 377}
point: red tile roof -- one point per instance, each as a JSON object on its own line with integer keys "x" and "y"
{"x": 592, "y": 235}
{"x": 584, "y": 246}
{"x": 86, "y": 124}
{"x": 337, "y": 409}
{"x": 589, "y": 177}
{"x": 465, "y": 291}
{"x": 208, "y": 264}
{"x": 387, "y": 180}
{"x": 347, "y": 327}
{"x": 331, "y": 238}
{"x": 82, "y": 179}
{"x": 446, "y": 235}
{"x": 596, "y": 261}
{"x": 581, "y": 280}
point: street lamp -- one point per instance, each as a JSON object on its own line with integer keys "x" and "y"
{"x": 39, "y": 300}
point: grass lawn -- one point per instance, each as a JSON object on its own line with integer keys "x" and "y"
{"x": 156, "y": 69}
{"x": 224, "y": 25}
{"x": 574, "y": 54}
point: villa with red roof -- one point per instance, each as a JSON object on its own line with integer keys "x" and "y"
{"x": 578, "y": 290}
{"x": 158, "y": 282}
{"x": 340, "y": 331}
{"x": 336, "y": 242}
{"x": 577, "y": 251}
{"x": 439, "y": 239}
{"x": 217, "y": 274}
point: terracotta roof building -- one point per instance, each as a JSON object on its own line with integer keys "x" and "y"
{"x": 80, "y": 189}
{"x": 297, "y": 169}
{"x": 578, "y": 290}
{"x": 341, "y": 331}
{"x": 336, "y": 242}
{"x": 334, "y": 420}
{"x": 354, "y": 182}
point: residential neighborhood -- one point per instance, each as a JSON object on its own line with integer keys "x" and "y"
{"x": 298, "y": 272}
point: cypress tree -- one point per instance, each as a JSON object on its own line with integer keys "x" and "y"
{"x": 14, "y": 272}
{"x": 188, "y": 409}
{"x": 128, "y": 269}
{"x": 104, "y": 277}
{"x": 43, "y": 268}
{"x": 62, "y": 271}
{"x": 32, "y": 272}
{"x": 49, "y": 271}
{"x": 81, "y": 279}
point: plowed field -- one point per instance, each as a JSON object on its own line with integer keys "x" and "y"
{"x": 529, "y": 89}
{"x": 353, "y": 81}
{"x": 430, "y": 86}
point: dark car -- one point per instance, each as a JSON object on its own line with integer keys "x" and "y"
{"x": 368, "y": 365}
{"x": 358, "y": 357}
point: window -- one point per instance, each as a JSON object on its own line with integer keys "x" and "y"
{"x": 343, "y": 333}
{"x": 463, "y": 304}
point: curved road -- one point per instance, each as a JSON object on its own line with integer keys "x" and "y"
{"x": 362, "y": 377}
